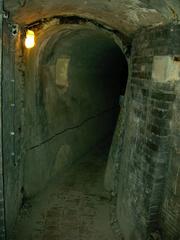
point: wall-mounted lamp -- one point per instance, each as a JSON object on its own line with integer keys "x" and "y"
{"x": 30, "y": 39}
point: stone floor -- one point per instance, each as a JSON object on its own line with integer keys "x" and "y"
{"x": 74, "y": 206}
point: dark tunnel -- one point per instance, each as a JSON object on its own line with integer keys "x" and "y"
{"x": 79, "y": 87}
{"x": 89, "y": 120}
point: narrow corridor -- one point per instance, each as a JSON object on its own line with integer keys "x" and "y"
{"x": 89, "y": 120}
{"x": 73, "y": 206}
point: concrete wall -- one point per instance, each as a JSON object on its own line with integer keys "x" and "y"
{"x": 126, "y": 15}
{"x": 71, "y": 102}
{"x": 12, "y": 115}
{"x": 143, "y": 168}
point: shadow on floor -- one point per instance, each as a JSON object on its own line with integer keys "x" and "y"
{"x": 73, "y": 206}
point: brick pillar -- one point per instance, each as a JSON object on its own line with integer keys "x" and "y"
{"x": 148, "y": 199}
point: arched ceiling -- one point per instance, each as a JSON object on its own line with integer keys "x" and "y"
{"x": 124, "y": 15}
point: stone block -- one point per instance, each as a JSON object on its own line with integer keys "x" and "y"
{"x": 165, "y": 69}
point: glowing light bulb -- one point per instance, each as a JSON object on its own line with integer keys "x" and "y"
{"x": 30, "y": 39}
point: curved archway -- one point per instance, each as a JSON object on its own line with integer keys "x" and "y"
{"x": 75, "y": 77}
{"x": 145, "y": 202}
{"x": 59, "y": 55}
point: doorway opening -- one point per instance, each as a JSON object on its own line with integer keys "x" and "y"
{"x": 79, "y": 87}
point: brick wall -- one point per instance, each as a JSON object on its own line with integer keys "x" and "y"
{"x": 147, "y": 165}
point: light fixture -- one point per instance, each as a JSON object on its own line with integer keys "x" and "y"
{"x": 30, "y": 39}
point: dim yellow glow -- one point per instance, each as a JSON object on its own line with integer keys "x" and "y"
{"x": 30, "y": 39}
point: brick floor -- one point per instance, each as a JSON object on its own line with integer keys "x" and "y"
{"x": 73, "y": 207}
